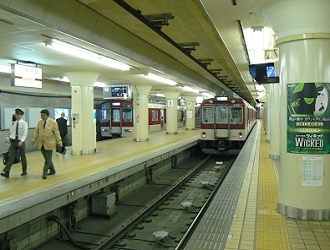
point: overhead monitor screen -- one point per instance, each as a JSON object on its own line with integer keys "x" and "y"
{"x": 264, "y": 73}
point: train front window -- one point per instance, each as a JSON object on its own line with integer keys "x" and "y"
{"x": 116, "y": 115}
{"x": 208, "y": 114}
{"x": 105, "y": 115}
{"x": 127, "y": 112}
{"x": 127, "y": 115}
{"x": 222, "y": 112}
{"x": 105, "y": 112}
{"x": 236, "y": 115}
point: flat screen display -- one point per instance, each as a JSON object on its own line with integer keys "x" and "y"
{"x": 264, "y": 73}
{"x": 119, "y": 91}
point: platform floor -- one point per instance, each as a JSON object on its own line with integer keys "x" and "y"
{"x": 112, "y": 156}
{"x": 264, "y": 228}
{"x": 242, "y": 214}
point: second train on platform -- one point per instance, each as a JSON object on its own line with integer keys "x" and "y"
{"x": 225, "y": 123}
{"x": 117, "y": 117}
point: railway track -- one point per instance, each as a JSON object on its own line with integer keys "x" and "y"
{"x": 159, "y": 215}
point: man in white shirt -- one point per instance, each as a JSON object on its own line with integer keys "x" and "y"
{"x": 17, "y": 135}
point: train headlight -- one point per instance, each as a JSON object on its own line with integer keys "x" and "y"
{"x": 240, "y": 135}
{"x": 203, "y": 135}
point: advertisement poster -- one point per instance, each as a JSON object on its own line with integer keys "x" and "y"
{"x": 308, "y": 129}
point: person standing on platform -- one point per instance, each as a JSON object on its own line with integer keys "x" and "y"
{"x": 48, "y": 136}
{"x": 62, "y": 126}
{"x": 17, "y": 135}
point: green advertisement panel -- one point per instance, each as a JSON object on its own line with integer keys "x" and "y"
{"x": 308, "y": 129}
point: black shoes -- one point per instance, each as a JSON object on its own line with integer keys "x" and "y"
{"x": 5, "y": 174}
{"x": 50, "y": 173}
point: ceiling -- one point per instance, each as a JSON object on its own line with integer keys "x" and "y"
{"x": 219, "y": 28}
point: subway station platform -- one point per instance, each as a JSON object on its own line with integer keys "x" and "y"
{"x": 243, "y": 214}
{"x": 251, "y": 220}
{"x": 24, "y": 198}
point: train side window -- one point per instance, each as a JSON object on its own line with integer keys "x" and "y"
{"x": 236, "y": 115}
{"x": 208, "y": 114}
{"x": 222, "y": 112}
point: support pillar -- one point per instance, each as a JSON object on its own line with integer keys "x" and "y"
{"x": 141, "y": 115}
{"x": 190, "y": 111}
{"x": 274, "y": 150}
{"x": 83, "y": 127}
{"x": 304, "y": 45}
{"x": 171, "y": 112}
{"x": 268, "y": 110}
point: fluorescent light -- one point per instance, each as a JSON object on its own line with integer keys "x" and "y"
{"x": 86, "y": 54}
{"x": 99, "y": 84}
{"x": 190, "y": 89}
{"x": 160, "y": 79}
{"x": 258, "y": 43}
{"x": 207, "y": 94}
{"x": 5, "y": 69}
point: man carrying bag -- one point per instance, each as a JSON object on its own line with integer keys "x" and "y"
{"x": 17, "y": 135}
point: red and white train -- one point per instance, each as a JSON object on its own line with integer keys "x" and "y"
{"x": 117, "y": 117}
{"x": 226, "y": 122}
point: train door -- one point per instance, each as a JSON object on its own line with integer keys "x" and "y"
{"x": 115, "y": 121}
{"x": 121, "y": 121}
{"x": 221, "y": 121}
{"x": 105, "y": 120}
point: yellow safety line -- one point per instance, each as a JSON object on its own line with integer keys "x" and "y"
{"x": 271, "y": 229}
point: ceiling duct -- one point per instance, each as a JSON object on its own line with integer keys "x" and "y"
{"x": 205, "y": 62}
{"x": 159, "y": 20}
{"x": 216, "y": 72}
{"x": 189, "y": 47}
{"x": 223, "y": 78}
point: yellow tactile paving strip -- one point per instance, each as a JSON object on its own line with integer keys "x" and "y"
{"x": 111, "y": 153}
{"x": 271, "y": 230}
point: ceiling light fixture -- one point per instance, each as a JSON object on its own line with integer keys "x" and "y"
{"x": 258, "y": 43}
{"x": 5, "y": 69}
{"x": 190, "y": 89}
{"x": 160, "y": 79}
{"x": 86, "y": 54}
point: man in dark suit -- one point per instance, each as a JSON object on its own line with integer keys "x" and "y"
{"x": 63, "y": 128}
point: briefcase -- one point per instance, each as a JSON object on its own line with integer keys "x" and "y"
{"x": 5, "y": 157}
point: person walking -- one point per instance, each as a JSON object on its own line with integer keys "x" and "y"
{"x": 48, "y": 136}
{"x": 63, "y": 127}
{"x": 17, "y": 134}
